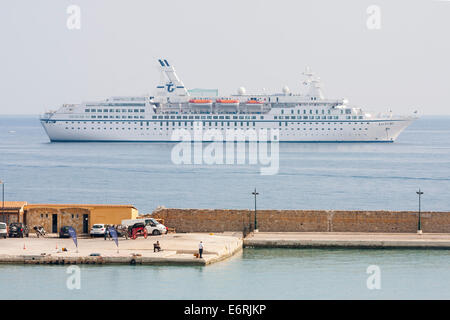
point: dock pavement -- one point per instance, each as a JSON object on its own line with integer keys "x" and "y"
{"x": 347, "y": 240}
{"x": 177, "y": 249}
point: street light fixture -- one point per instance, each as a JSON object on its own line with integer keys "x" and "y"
{"x": 255, "y": 194}
{"x": 419, "y": 224}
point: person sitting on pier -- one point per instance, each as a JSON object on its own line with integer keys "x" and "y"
{"x": 156, "y": 246}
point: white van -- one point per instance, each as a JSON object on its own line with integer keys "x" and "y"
{"x": 153, "y": 227}
{"x": 3, "y": 230}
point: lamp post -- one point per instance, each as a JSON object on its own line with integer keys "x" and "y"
{"x": 3, "y": 199}
{"x": 419, "y": 225}
{"x": 255, "y": 194}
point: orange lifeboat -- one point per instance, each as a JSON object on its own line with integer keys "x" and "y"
{"x": 227, "y": 102}
{"x": 200, "y": 102}
{"x": 254, "y": 102}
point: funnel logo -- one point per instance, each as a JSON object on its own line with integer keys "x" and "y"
{"x": 170, "y": 87}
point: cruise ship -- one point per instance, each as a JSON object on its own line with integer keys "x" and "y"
{"x": 306, "y": 116}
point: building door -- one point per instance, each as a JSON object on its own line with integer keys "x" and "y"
{"x": 54, "y": 223}
{"x": 85, "y": 223}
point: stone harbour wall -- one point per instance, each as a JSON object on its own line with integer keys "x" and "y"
{"x": 221, "y": 220}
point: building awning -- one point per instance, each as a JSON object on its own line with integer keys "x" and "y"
{"x": 13, "y": 205}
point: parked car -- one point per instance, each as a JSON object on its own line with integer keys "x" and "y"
{"x": 153, "y": 227}
{"x": 98, "y": 230}
{"x": 3, "y": 230}
{"x": 17, "y": 230}
{"x": 64, "y": 232}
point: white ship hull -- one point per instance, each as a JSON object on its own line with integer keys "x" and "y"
{"x": 153, "y": 131}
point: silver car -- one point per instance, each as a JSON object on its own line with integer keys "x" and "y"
{"x": 3, "y": 230}
{"x": 98, "y": 229}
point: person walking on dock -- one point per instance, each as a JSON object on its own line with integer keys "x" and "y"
{"x": 105, "y": 235}
{"x": 200, "y": 249}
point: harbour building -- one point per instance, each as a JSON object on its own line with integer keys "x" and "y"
{"x": 54, "y": 216}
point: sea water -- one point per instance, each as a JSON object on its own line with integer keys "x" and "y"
{"x": 253, "y": 274}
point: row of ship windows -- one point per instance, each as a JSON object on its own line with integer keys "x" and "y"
{"x": 117, "y": 117}
{"x": 226, "y": 117}
{"x": 209, "y": 117}
{"x": 329, "y": 123}
{"x": 346, "y": 111}
{"x": 323, "y": 129}
{"x": 318, "y": 117}
{"x": 316, "y": 111}
{"x": 253, "y": 117}
{"x": 304, "y": 111}
{"x": 191, "y": 123}
{"x": 114, "y": 110}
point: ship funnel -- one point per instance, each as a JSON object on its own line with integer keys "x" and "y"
{"x": 170, "y": 84}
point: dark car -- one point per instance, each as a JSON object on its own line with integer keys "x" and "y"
{"x": 64, "y": 232}
{"x": 18, "y": 230}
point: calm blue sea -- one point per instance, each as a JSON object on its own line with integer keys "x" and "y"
{"x": 311, "y": 176}
{"x": 256, "y": 274}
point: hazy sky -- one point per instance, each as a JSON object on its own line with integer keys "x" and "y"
{"x": 257, "y": 44}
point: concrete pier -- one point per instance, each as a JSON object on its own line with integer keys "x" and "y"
{"x": 177, "y": 249}
{"x": 347, "y": 240}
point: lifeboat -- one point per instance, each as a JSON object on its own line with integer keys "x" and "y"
{"x": 200, "y": 102}
{"x": 254, "y": 103}
{"x": 227, "y": 103}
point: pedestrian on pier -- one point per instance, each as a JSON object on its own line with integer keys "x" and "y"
{"x": 200, "y": 249}
{"x": 105, "y": 235}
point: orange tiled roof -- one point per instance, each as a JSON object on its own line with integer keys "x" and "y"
{"x": 13, "y": 204}
{"x": 72, "y": 205}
